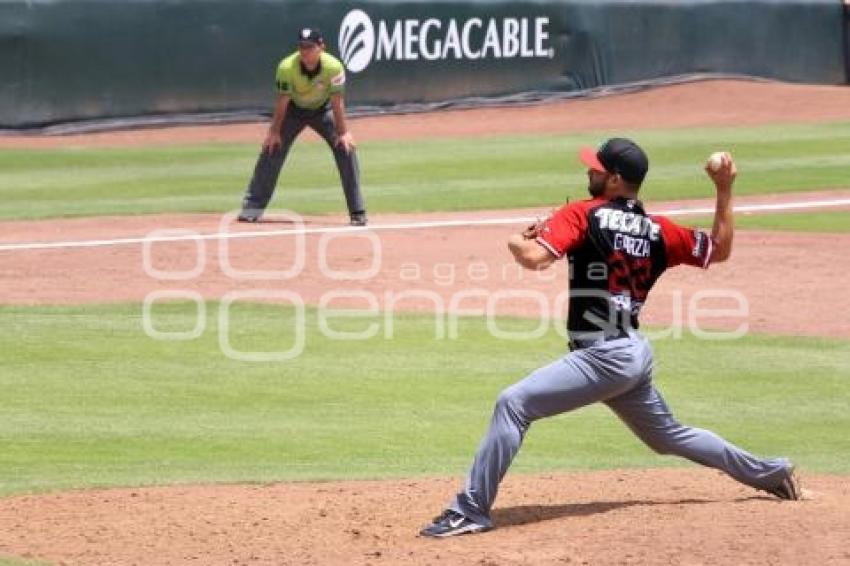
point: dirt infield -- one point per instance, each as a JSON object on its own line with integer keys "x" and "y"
{"x": 447, "y": 263}
{"x": 666, "y": 516}
{"x": 663, "y": 516}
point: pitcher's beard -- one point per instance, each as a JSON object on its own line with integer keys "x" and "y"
{"x": 596, "y": 189}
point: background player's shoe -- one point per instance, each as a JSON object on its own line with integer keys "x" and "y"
{"x": 789, "y": 489}
{"x": 359, "y": 219}
{"x": 248, "y": 217}
{"x": 451, "y": 523}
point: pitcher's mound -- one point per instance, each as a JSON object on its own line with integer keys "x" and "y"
{"x": 690, "y": 516}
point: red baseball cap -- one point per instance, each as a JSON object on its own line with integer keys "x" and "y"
{"x": 587, "y": 155}
{"x": 618, "y": 156}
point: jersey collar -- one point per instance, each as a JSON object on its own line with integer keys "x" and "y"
{"x": 310, "y": 74}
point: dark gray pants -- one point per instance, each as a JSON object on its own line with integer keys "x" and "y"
{"x": 618, "y": 373}
{"x": 268, "y": 167}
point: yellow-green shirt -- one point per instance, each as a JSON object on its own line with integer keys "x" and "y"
{"x": 311, "y": 92}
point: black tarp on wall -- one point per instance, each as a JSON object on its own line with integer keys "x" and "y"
{"x": 66, "y": 60}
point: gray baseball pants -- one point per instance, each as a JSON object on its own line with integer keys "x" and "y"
{"x": 267, "y": 170}
{"x": 619, "y": 373}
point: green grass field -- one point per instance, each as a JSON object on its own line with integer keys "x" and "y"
{"x": 19, "y": 562}
{"x": 87, "y": 399}
{"x": 90, "y": 400}
{"x": 427, "y": 175}
{"x": 833, "y": 221}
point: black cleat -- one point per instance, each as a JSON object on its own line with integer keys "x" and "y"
{"x": 246, "y": 217}
{"x": 452, "y": 523}
{"x": 359, "y": 219}
{"x": 789, "y": 489}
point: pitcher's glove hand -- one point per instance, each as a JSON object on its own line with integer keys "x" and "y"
{"x": 534, "y": 230}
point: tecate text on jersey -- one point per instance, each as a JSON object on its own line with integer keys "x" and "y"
{"x": 629, "y": 223}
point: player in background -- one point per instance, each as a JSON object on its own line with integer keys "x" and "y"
{"x": 617, "y": 252}
{"x": 311, "y": 88}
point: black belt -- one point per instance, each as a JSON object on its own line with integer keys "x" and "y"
{"x": 591, "y": 339}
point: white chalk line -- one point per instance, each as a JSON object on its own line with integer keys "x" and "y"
{"x": 188, "y": 237}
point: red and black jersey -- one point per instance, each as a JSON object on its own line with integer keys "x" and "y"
{"x": 617, "y": 252}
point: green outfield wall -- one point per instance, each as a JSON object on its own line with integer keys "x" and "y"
{"x": 71, "y": 60}
{"x": 847, "y": 39}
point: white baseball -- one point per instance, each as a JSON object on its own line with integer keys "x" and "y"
{"x": 715, "y": 160}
